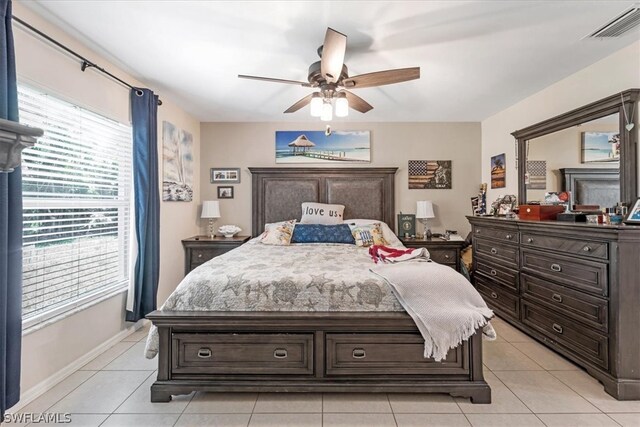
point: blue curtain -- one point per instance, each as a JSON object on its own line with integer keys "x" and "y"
{"x": 144, "y": 116}
{"x": 10, "y": 231}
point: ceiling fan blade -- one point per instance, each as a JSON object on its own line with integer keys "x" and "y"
{"x": 269, "y": 79}
{"x": 333, "y": 49}
{"x": 356, "y": 102}
{"x": 298, "y": 105}
{"x": 380, "y": 78}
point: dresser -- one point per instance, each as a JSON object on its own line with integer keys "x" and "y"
{"x": 200, "y": 249}
{"x": 445, "y": 252}
{"x": 573, "y": 287}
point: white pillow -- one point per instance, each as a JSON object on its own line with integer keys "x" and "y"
{"x": 321, "y": 213}
{"x": 387, "y": 233}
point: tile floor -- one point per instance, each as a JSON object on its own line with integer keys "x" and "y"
{"x": 532, "y": 386}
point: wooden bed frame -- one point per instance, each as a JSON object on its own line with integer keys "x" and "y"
{"x": 311, "y": 351}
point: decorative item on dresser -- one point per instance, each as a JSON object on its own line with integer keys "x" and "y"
{"x": 200, "y": 249}
{"x": 445, "y": 252}
{"x": 572, "y": 286}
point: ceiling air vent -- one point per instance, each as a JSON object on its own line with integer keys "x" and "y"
{"x": 620, "y": 24}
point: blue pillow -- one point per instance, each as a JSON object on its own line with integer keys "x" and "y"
{"x": 318, "y": 233}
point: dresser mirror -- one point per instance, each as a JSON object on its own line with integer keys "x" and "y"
{"x": 582, "y": 159}
{"x": 588, "y": 151}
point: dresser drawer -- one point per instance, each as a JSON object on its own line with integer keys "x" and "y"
{"x": 499, "y": 274}
{"x": 387, "y": 354}
{"x": 444, "y": 256}
{"x": 585, "y": 308}
{"x": 588, "y": 276}
{"x": 487, "y": 250}
{"x": 505, "y": 234}
{"x": 586, "y": 248}
{"x": 256, "y": 354}
{"x": 498, "y": 298}
{"x": 580, "y": 341}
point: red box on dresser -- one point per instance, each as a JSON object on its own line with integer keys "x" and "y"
{"x": 539, "y": 212}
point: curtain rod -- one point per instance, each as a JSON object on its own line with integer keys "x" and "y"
{"x": 85, "y": 62}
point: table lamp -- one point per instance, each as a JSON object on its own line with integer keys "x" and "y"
{"x": 424, "y": 211}
{"x": 211, "y": 210}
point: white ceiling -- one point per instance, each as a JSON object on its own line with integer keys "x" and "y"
{"x": 476, "y": 58}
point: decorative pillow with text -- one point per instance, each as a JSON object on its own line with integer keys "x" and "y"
{"x": 321, "y": 213}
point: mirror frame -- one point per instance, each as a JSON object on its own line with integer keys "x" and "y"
{"x": 621, "y": 103}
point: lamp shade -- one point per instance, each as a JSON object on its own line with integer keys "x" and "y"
{"x": 424, "y": 209}
{"x": 342, "y": 105}
{"x": 210, "y": 209}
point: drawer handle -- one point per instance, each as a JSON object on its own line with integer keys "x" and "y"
{"x": 494, "y": 295}
{"x": 494, "y": 273}
{"x": 199, "y": 255}
{"x": 447, "y": 257}
{"x": 204, "y": 353}
{"x": 587, "y": 248}
{"x": 557, "y": 328}
{"x": 359, "y": 353}
{"x": 556, "y": 297}
{"x": 494, "y": 251}
{"x": 556, "y": 267}
{"x": 529, "y": 240}
{"x": 477, "y": 231}
{"x": 280, "y": 353}
{"x": 509, "y": 236}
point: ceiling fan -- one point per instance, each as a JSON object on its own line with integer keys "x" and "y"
{"x": 330, "y": 75}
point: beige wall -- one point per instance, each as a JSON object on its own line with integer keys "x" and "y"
{"x": 50, "y": 349}
{"x": 563, "y": 149}
{"x": 392, "y": 144}
{"x": 615, "y": 73}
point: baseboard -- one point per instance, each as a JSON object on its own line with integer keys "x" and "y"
{"x": 42, "y": 387}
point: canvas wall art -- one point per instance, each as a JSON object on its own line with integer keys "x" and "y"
{"x": 316, "y": 147}
{"x": 498, "y": 171}
{"x": 177, "y": 164}
{"x": 600, "y": 147}
{"x": 536, "y": 177}
{"x": 429, "y": 174}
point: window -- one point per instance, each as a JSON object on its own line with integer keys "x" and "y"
{"x": 77, "y": 203}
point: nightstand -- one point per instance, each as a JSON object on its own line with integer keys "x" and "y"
{"x": 200, "y": 249}
{"x": 445, "y": 252}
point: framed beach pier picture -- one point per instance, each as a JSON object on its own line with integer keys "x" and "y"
{"x": 316, "y": 147}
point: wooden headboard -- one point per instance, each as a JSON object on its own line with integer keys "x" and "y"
{"x": 278, "y": 193}
{"x": 592, "y": 186}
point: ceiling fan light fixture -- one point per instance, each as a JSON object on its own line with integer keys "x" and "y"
{"x": 327, "y": 111}
{"x": 342, "y": 105}
{"x": 316, "y": 104}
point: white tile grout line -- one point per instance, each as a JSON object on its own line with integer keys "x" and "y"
{"x": 392, "y": 411}
{"x": 193, "y": 394}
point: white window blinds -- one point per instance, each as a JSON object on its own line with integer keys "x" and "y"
{"x": 77, "y": 198}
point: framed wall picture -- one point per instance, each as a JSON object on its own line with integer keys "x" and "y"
{"x": 225, "y": 192}
{"x": 225, "y": 175}
{"x": 177, "y": 164}
{"x": 634, "y": 214}
{"x": 498, "y": 171}
{"x": 429, "y": 174}
{"x": 318, "y": 146}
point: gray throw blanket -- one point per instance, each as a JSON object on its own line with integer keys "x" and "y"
{"x": 445, "y": 306}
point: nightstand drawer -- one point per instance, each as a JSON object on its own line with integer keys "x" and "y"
{"x": 200, "y": 249}
{"x": 443, "y": 256}
{"x": 202, "y": 255}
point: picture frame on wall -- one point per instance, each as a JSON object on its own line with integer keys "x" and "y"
{"x": 225, "y": 192}
{"x": 600, "y": 147}
{"x": 498, "y": 171}
{"x": 634, "y": 214}
{"x": 225, "y": 175}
